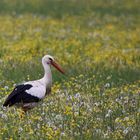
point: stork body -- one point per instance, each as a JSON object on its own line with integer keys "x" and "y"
{"x": 28, "y": 94}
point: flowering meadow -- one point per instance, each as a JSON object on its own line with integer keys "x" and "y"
{"x": 97, "y": 43}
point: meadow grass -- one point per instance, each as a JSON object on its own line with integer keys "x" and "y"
{"x": 97, "y": 43}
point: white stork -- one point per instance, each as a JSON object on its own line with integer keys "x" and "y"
{"x": 28, "y": 94}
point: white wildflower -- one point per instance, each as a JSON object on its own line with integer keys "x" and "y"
{"x": 107, "y": 85}
{"x": 135, "y": 137}
{"x": 59, "y": 117}
{"x": 126, "y": 131}
{"x": 6, "y": 87}
{"x": 77, "y": 95}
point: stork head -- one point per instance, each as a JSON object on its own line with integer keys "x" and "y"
{"x": 49, "y": 60}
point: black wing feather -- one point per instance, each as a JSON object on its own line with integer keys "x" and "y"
{"x": 19, "y": 95}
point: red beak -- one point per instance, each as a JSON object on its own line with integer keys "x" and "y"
{"x": 57, "y": 67}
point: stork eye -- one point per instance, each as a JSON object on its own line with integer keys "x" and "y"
{"x": 50, "y": 59}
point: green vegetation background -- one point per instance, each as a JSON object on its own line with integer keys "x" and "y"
{"x": 97, "y": 42}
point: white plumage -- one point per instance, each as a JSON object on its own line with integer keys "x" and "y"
{"x": 37, "y": 90}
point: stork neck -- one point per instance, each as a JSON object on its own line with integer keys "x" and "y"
{"x": 47, "y": 74}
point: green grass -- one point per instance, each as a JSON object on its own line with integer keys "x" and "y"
{"x": 97, "y": 43}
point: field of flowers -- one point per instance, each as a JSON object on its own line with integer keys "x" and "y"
{"x": 98, "y": 45}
